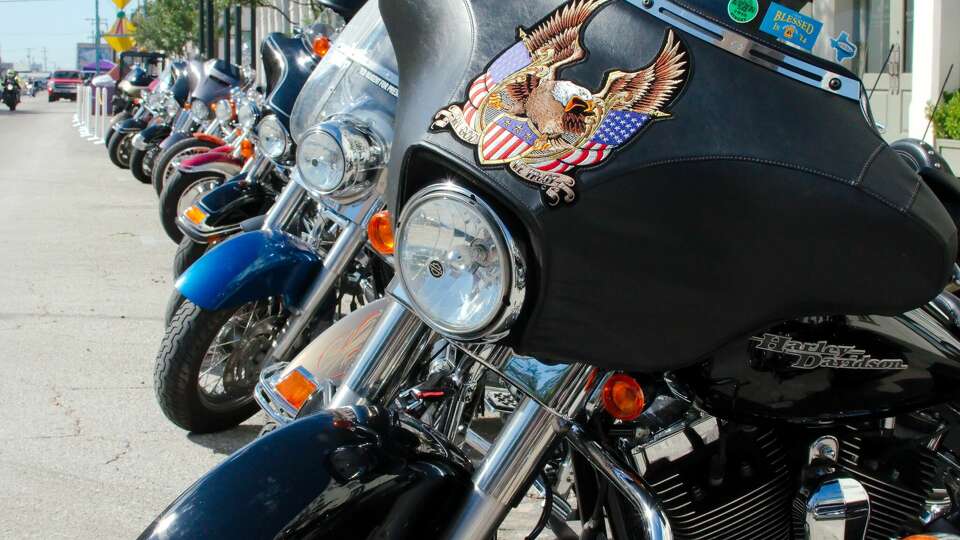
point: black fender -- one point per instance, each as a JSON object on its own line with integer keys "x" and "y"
{"x": 130, "y": 125}
{"x": 155, "y": 133}
{"x": 173, "y": 138}
{"x": 352, "y": 473}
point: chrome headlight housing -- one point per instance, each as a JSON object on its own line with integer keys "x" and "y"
{"x": 339, "y": 158}
{"x": 464, "y": 274}
{"x": 170, "y": 106}
{"x": 247, "y": 113}
{"x": 273, "y": 138}
{"x": 224, "y": 111}
{"x": 200, "y": 111}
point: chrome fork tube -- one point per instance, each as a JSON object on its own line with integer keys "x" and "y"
{"x": 381, "y": 365}
{"x": 285, "y": 207}
{"x": 507, "y": 470}
{"x": 350, "y": 240}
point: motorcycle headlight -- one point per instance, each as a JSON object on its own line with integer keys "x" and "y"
{"x": 337, "y": 158}
{"x": 463, "y": 272}
{"x": 200, "y": 111}
{"x": 224, "y": 111}
{"x": 273, "y": 138}
{"x": 247, "y": 114}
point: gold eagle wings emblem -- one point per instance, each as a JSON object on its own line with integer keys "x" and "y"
{"x": 522, "y": 114}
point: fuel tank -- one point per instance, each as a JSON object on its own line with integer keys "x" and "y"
{"x": 824, "y": 369}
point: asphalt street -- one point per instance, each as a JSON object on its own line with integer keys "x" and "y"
{"x": 84, "y": 276}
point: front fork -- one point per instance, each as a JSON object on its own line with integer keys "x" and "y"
{"x": 350, "y": 241}
{"x": 538, "y": 424}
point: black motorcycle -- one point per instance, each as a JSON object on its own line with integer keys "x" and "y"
{"x": 169, "y": 114}
{"x": 11, "y": 94}
{"x": 724, "y": 336}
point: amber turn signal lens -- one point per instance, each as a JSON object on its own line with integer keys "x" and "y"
{"x": 296, "y": 388}
{"x": 623, "y": 397}
{"x": 380, "y": 233}
{"x": 321, "y": 46}
{"x": 195, "y": 215}
{"x": 246, "y": 149}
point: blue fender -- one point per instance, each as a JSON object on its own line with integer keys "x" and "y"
{"x": 155, "y": 133}
{"x": 251, "y": 266}
{"x": 130, "y": 125}
{"x": 347, "y": 474}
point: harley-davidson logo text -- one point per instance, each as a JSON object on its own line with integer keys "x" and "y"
{"x": 821, "y": 354}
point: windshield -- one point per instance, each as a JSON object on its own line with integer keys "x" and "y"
{"x": 357, "y": 77}
{"x": 855, "y": 34}
{"x": 66, "y": 74}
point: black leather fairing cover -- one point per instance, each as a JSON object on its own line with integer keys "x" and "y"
{"x": 759, "y": 199}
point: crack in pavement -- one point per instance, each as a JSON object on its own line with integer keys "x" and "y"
{"x": 68, "y": 411}
{"x": 123, "y": 451}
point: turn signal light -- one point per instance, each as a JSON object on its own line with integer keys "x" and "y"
{"x": 380, "y": 233}
{"x": 623, "y": 397}
{"x": 246, "y": 149}
{"x": 195, "y": 215}
{"x": 296, "y": 388}
{"x": 321, "y": 46}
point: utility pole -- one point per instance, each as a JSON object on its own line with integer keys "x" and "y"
{"x": 44, "y": 50}
{"x": 96, "y": 40}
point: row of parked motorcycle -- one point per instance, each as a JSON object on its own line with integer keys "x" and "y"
{"x": 642, "y": 390}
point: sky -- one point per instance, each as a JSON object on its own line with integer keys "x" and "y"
{"x": 57, "y": 25}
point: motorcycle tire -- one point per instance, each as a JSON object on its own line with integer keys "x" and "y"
{"x": 179, "y": 150}
{"x": 137, "y": 157}
{"x": 173, "y": 304}
{"x": 119, "y": 149}
{"x": 177, "y": 373}
{"x": 187, "y": 253}
{"x": 178, "y": 186}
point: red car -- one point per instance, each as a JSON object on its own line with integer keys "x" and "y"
{"x": 63, "y": 84}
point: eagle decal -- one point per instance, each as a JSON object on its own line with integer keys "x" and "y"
{"x": 520, "y": 113}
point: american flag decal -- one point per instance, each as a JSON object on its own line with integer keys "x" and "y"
{"x": 522, "y": 113}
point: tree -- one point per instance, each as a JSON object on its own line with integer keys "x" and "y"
{"x": 168, "y": 25}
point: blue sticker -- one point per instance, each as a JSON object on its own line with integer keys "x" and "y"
{"x": 791, "y": 27}
{"x": 844, "y": 48}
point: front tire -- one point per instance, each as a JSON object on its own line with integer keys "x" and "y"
{"x": 119, "y": 149}
{"x": 137, "y": 158}
{"x": 187, "y": 253}
{"x": 181, "y": 191}
{"x": 207, "y": 366}
{"x": 166, "y": 163}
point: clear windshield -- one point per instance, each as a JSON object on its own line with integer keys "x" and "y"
{"x": 853, "y": 33}
{"x": 357, "y": 77}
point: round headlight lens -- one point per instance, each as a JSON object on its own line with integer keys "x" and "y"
{"x": 320, "y": 161}
{"x": 455, "y": 263}
{"x": 273, "y": 138}
{"x": 247, "y": 114}
{"x": 200, "y": 111}
{"x": 224, "y": 111}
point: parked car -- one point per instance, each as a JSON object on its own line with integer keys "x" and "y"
{"x": 63, "y": 84}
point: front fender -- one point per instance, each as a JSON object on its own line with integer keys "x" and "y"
{"x": 173, "y": 138}
{"x": 250, "y": 266}
{"x": 220, "y": 162}
{"x": 130, "y": 125}
{"x": 155, "y": 133}
{"x": 349, "y": 473}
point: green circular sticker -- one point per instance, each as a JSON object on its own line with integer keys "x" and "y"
{"x": 743, "y": 11}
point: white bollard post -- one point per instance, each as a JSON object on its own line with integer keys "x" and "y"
{"x": 84, "y": 112}
{"x": 96, "y": 114}
{"x": 77, "y": 113}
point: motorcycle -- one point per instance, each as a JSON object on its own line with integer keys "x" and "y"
{"x": 11, "y": 94}
{"x": 168, "y": 114}
{"x": 126, "y": 105}
{"x": 288, "y": 62}
{"x": 816, "y": 410}
{"x": 276, "y": 288}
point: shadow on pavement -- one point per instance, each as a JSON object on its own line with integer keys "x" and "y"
{"x": 226, "y": 442}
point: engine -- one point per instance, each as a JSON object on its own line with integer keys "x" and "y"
{"x": 721, "y": 480}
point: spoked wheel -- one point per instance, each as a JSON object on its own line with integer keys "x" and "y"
{"x": 179, "y": 193}
{"x": 119, "y": 149}
{"x": 210, "y": 361}
{"x": 170, "y": 159}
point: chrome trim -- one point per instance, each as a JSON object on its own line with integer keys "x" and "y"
{"x": 514, "y": 271}
{"x": 285, "y": 207}
{"x": 363, "y": 154}
{"x": 826, "y": 447}
{"x": 837, "y": 509}
{"x": 269, "y": 400}
{"x": 750, "y": 50}
{"x": 138, "y": 142}
{"x": 631, "y": 486}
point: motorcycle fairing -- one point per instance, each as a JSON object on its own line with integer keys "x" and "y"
{"x": 349, "y": 473}
{"x": 251, "y": 266}
{"x": 762, "y": 199}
